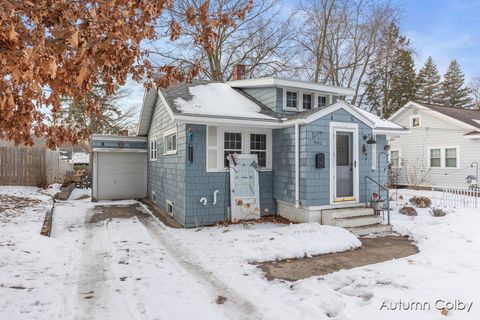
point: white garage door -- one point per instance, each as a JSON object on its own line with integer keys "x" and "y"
{"x": 120, "y": 175}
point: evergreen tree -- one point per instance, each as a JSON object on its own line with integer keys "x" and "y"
{"x": 428, "y": 83}
{"x": 404, "y": 85}
{"x": 391, "y": 77}
{"x": 107, "y": 118}
{"x": 453, "y": 91}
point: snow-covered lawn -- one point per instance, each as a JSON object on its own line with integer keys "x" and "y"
{"x": 136, "y": 268}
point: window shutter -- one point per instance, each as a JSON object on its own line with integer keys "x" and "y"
{"x": 212, "y": 148}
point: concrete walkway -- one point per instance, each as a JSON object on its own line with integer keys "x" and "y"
{"x": 373, "y": 250}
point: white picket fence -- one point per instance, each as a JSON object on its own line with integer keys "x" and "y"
{"x": 459, "y": 197}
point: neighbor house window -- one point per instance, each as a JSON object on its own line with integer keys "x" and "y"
{"x": 307, "y": 101}
{"x": 415, "y": 121}
{"x": 435, "y": 158}
{"x": 153, "y": 149}
{"x": 258, "y": 146}
{"x": 321, "y": 101}
{"x": 450, "y": 157}
{"x": 395, "y": 158}
{"x": 292, "y": 99}
{"x": 171, "y": 144}
{"x": 232, "y": 143}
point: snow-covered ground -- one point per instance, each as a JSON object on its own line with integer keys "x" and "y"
{"x": 136, "y": 268}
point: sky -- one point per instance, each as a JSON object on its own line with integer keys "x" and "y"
{"x": 443, "y": 29}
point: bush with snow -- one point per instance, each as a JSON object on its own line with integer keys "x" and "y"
{"x": 421, "y": 202}
{"x": 438, "y": 212}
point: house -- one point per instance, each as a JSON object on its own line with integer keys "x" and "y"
{"x": 247, "y": 148}
{"x": 441, "y": 148}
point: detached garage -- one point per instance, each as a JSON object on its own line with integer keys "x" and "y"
{"x": 119, "y": 167}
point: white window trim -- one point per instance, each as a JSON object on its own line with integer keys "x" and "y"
{"x": 299, "y": 100}
{"x": 168, "y": 133}
{"x": 151, "y": 143}
{"x": 300, "y": 93}
{"x": 168, "y": 203}
{"x": 443, "y": 159}
{"x": 416, "y": 116}
{"x": 245, "y": 145}
{"x": 399, "y": 157}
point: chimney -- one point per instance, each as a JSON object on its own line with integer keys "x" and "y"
{"x": 239, "y": 71}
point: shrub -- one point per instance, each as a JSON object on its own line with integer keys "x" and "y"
{"x": 421, "y": 202}
{"x": 438, "y": 212}
{"x": 408, "y": 211}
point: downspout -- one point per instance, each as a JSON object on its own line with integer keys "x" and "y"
{"x": 297, "y": 167}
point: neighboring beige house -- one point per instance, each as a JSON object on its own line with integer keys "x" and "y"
{"x": 440, "y": 148}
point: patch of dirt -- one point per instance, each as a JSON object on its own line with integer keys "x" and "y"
{"x": 83, "y": 197}
{"x": 373, "y": 250}
{"x": 117, "y": 211}
{"x": 274, "y": 219}
{"x": 12, "y": 206}
{"x": 220, "y": 300}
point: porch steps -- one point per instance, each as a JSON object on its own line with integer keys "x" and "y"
{"x": 370, "y": 229}
{"x": 358, "y": 220}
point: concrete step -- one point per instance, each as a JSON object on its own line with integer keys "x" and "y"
{"x": 349, "y": 212}
{"x": 370, "y": 229}
{"x": 357, "y": 221}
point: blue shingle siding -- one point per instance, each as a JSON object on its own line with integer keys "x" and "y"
{"x": 315, "y": 138}
{"x": 267, "y": 96}
{"x": 200, "y": 183}
{"x": 166, "y": 175}
{"x": 115, "y": 144}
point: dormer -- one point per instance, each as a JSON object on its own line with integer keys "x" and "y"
{"x": 290, "y": 96}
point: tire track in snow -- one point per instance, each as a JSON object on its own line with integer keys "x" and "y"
{"x": 238, "y": 306}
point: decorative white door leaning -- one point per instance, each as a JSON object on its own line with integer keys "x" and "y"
{"x": 244, "y": 189}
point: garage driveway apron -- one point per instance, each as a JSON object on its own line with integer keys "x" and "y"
{"x": 98, "y": 295}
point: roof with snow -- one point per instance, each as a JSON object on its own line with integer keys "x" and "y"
{"x": 81, "y": 158}
{"x": 211, "y": 102}
{"x": 214, "y": 99}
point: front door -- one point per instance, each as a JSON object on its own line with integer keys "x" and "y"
{"x": 344, "y": 166}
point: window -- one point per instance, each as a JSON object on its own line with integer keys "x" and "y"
{"x": 321, "y": 101}
{"x": 435, "y": 158}
{"x": 307, "y": 101}
{"x": 450, "y": 157}
{"x": 169, "y": 206}
{"x": 232, "y": 143}
{"x": 153, "y": 149}
{"x": 415, "y": 121}
{"x": 292, "y": 100}
{"x": 258, "y": 146}
{"x": 395, "y": 158}
{"x": 171, "y": 144}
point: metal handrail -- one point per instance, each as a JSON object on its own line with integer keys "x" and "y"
{"x": 382, "y": 187}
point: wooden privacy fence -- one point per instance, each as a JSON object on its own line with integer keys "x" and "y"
{"x": 32, "y": 166}
{"x": 459, "y": 197}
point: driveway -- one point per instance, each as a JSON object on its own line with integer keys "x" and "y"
{"x": 127, "y": 267}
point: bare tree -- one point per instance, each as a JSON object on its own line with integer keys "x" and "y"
{"x": 341, "y": 38}
{"x": 259, "y": 41}
{"x": 475, "y": 91}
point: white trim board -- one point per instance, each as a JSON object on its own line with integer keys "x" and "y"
{"x": 348, "y": 127}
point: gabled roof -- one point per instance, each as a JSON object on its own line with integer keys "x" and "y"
{"x": 209, "y": 102}
{"x": 470, "y": 119}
